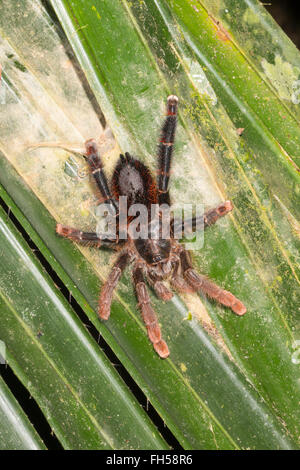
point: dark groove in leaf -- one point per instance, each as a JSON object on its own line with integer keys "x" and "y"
{"x": 31, "y": 408}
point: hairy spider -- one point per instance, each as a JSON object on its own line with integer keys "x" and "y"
{"x": 155, "y": 259}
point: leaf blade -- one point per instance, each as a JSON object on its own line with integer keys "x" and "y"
{"x": 156, "y": 379}
{"x": 16, "y": 431}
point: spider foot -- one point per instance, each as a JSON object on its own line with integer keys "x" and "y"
{"x": 66, "y": 231}
{"x": 224, "y": 297}
{"x": 229, "y": 300}
{"x": 162, "y": 349}
{"x": 105, "y": 303}
{"x": 148, "y": 314}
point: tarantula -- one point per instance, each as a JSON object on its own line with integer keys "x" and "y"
{"x": 155, "y": 258}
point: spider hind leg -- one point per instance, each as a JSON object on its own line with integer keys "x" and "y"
{"x": 108, "y": 287}
{"x": 148, "y": 314}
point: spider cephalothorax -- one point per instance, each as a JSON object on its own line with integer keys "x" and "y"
{"x": 155, "y": 258}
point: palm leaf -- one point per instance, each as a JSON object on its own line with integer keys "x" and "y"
{"x": 230, "y": 382}
{"x": 16, "y": 431}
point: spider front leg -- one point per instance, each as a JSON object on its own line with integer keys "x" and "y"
{"x": 199, "y": 282}
{"x": 148, "y": 314}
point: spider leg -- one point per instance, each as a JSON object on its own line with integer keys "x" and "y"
{"x": 178, "y": 282}
{"x": 148, "y": 313}
{"x": 165, "y": 150}
{"x": 160, "y": 288}
{"x": 199, "y": 282}
{"x": 110, "y": 284}
{"x": 85, "y": 238}
{"x": 209, "y": 218}
{"x": 96, "y": 166}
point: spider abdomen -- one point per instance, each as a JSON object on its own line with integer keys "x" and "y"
{"x": 133, "y": 179}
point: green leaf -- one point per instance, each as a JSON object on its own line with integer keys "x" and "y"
{"x": 16, "y": 431}
{"x": 229, "y": 382}
{"x": 61, "y": 366}
{"x": 256, "y": 34}
{"x": 271, "y": 129}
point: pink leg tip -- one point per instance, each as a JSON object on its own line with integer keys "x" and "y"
{"x": 59, "y": 228}
{"x": 162, "y": 349}
{"x": 104, "y": 312}
{"x": 239, "y": 308}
